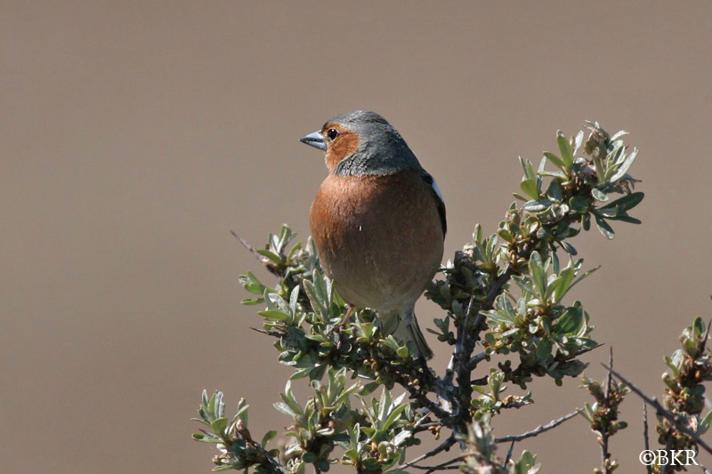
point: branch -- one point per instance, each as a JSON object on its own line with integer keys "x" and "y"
{"x": 444, "y": 446}
{"x": 509, "y": 452}
{"x": 476, "y": 359}
{"x": 678, "y": 421}
{"x": 250, "y": 248}
{"x": 539, "y": 429}
{"x": 646, "y": 440}
{"x": 605, "y": 454}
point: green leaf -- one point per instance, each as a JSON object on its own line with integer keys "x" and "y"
{"x": 274, "y": 315}
{"x": 562, "y": 283}
{"x": 579, "y": 204}
{"x": 250, "y": 283}
{"x": 571, "y": 322}
{"x": 529, "y": 186}
{"x": 599, "y": 195}
{"x": 270, "y": 255}
{"x": 206, "y": 438}
{"x": 538, "y": 274}
{"x": 604, "y": 228}
{"x": 543, "y": 350}
{"x": 705, "y": 423}
{"x": 284, "y": 408}
{"x": 537, "y": 206}
{"x": 267, "y": 437}
{"x": 625, "y": 166}
{"x": 558, "y": 162}
{"x": 393, "y": 416}
{"x": 621, "y": 205}
{"x": 625, "y": 218}
{"x": 530, "y": 181}
{"x": 218, "y": 426}
{"x": 567, "y": 154}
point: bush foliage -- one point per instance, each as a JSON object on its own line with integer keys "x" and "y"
{"x": 505, "y": 298}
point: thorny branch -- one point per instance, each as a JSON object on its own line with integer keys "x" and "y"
{"x": 605, "y": 454}
{"x": 539, "y": 429}
{"x": 679, "y": 422}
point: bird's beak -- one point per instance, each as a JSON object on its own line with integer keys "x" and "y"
{"x": 314, "y": 139}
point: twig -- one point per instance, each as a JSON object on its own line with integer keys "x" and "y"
{"x": 646, "y": 440}
{"x": 250, "y": 248}
{"x": 605, "y": 454}
{"x": 677, "y": 420}
{"x": 268, "y": 333}
{"x": 476, "y": 359}
{"x": 446, "y": 465}
{"x": 497, "y": 286}
{"x": 461, "y": 354}
{"x": 539, "y": 429}
{"x": 439, "y": 467}
{"x": 480, "y": 381}
{"x": 509, "y": 453}
{"x": 444, "y": 446}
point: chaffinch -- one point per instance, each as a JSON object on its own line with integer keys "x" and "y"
{"x": 378, "y": 221}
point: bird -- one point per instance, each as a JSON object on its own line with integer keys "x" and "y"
{"x": 378, "y": 221}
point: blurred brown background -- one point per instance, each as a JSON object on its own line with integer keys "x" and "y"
{"x": 135, "y": 135}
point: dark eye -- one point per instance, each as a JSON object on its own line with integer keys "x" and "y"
{"x": 332, "y": 133}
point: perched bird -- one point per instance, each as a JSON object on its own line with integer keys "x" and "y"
{"x": 378, "y": 221}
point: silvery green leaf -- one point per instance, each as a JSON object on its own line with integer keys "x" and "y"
{"x": 626, "y": 203}
{"x": 293, "y": 300}
{"x": 401, "y": 437}
{"x": 218, "y": 426}
{"x": 536, "y": 206}
{"x": 558, "y": 162}
{"x": 538, "y": 274}
{"x": 267, "y": 437}
{"x": 618, "y": 135}
{"x": 705, "y": 423}
{"x": 599, "y": 195}
{"x": 578, "y": 141}
{"x": 393, "y": 416}
{"x": 571, "y": 321}
{"x": 625, "y": 166}
{"x": 270, "y": 255}
{"x": 274, "y": 315}
{"x": 567, "y": 155}
{"x": 604, "y": 228}
{"x": 250, "y": 282}
{"x": 529, "y": 186}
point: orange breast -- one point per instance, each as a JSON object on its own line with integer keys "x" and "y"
{"x": 378, "y": 237}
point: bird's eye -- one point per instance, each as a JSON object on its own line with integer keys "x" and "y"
{"x": 332, "y": 133}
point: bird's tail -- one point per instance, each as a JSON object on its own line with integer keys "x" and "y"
{"x": 408, "y": 331}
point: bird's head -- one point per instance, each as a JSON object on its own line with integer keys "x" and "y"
{"x": 362, "y": 143}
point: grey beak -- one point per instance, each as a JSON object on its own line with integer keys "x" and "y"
{"x": 314, "y": 139}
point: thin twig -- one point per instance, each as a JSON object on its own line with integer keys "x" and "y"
{"x": 461, "y": 353}
{"x": 509, "y": 453}
{"x": 646, "y": 440}
{"x": 677, "y": 420}
{"x": 268, "y": 333}
{"x": 444, "y": 446}
{"x": 438, "y": 467}
{"x": 442, "y": 466}
{"x": 605, "y": 454}
{"x": 250, "y": 248}
{"x": 539, "y": 429}
{"x": 476, "y": 359}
